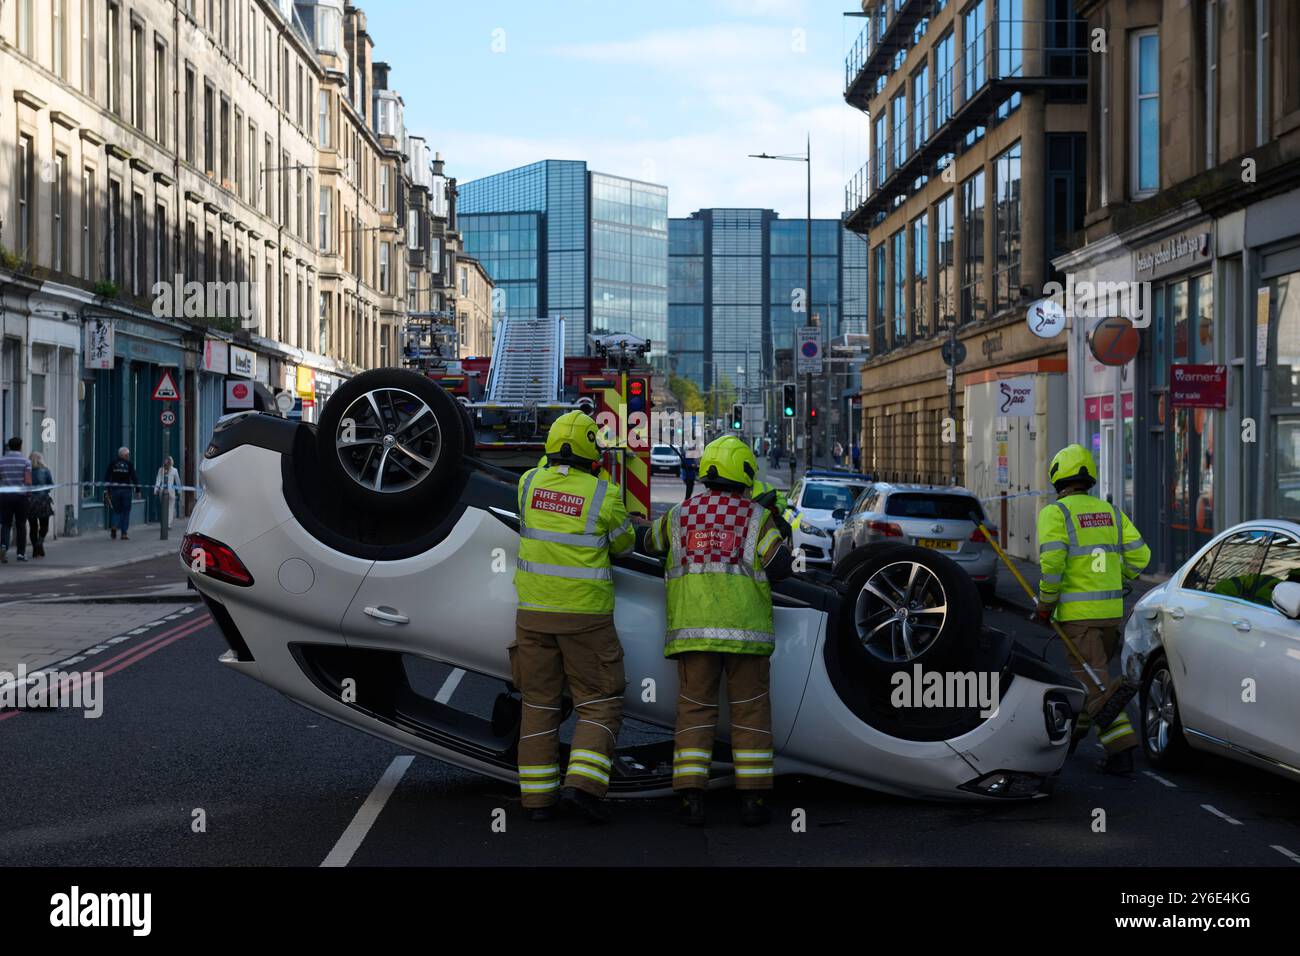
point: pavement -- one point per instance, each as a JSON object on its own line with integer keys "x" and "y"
{"x": 90, "y": 551}
{"x": 38, "y": 635}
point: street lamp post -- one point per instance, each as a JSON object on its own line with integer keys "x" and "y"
{"x": 806, "y": 158}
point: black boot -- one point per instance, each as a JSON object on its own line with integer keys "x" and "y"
{"x": 542, "y": 814}
{"x": 1117, "y": 764}
{"x": 754, "y": 812}
{"x": 692, "y": 808}
{"x": 584, "y": 804}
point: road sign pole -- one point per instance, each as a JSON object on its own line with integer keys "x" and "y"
{"x": 165, "y": 492}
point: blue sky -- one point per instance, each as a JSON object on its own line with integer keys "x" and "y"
{"x": 676, "y": 91}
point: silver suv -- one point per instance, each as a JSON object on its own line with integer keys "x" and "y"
{"x": 931, "y": 516}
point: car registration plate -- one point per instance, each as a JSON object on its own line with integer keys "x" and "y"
{"x": 939, "y": 544}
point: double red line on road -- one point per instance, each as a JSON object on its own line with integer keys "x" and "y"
{"x": 132, "y": 655}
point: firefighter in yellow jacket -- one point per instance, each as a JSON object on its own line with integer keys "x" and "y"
{"x": 723, "y": 550}
{"x": 571, "y": 519}
{"x": 1087, "y": 550}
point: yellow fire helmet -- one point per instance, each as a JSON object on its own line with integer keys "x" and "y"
{"x": 572, "y": 438}
{"x": 1073, "y": 462}
{"x": 728, "y": 460}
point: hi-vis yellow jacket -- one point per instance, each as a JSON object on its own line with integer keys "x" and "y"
{"x": 1087, "y": 549}
{"x": 570, "y": 522}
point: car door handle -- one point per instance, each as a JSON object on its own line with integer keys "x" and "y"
{"x": 388, "y": 615}
{"x": 1177, "y": 613}
{"x": 1241, "y": 624}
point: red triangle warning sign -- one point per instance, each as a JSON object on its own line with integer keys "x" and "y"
{"x": 165, "y": 390}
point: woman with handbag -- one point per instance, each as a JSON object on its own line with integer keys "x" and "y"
{"x": 40, "y": 505}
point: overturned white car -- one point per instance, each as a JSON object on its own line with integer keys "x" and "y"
{"x": 333, "y": 555}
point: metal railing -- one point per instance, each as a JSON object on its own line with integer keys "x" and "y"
{"x": 989, "y": 69}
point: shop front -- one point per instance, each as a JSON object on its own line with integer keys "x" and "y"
{"x": 124, "y": 371}
{"x": 1133, "y": 404}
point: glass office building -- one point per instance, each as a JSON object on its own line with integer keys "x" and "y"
{"x": 733, "y": 278}
{"x": 561, "y": 240}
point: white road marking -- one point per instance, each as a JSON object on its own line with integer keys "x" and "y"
{"x": 119, "y": 640}
{"x": 1222, "y": 815}
{"x": 1293, "y": 857}
{"x": 449, "y": 685}
{"x": 351, "y": 839}
{"x": 138, "y": 630}
{"x": 1156, "y": 776}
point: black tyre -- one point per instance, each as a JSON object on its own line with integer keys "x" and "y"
{"x": 390, "y": 439}
{"x": 908, "y": 605}
{"x": 1161, "y": 728}
{"x": 467, "y": 426}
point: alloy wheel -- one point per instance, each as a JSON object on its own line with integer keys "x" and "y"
{"x": 1160, "y": 713}
{"x": 900, "y": 612}
{"x": 388, "y": 440}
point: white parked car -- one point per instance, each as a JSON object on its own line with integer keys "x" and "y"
{"x": 818, "y": 503}
{"x": 664, "y": 459}
{"x": 1216, "y": 650}
{"x": 335, "y": 557}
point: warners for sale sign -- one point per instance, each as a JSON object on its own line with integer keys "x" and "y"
{"x": 1199, "y": 386}
{"x": 560, "y": 503}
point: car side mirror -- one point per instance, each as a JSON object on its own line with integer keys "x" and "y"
{"x": 839, "y": 514}
{"x": 1286, "y": 598}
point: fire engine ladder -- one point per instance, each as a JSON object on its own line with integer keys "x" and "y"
{"x": 527, "y": 361}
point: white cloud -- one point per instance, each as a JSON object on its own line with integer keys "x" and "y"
{"x": 700, "y": 169}
{"x": 763, "y": 8}
{"x": 684, "y": 107}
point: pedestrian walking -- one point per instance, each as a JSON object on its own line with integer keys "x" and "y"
{"x": 688, "y": 471}
{"x": 15, "y": 482}
{"x": 40, "y": 506}
{"x": 120, "y": 484}
{"x": 857, "y": 456}
{"x": 167, "y": 486}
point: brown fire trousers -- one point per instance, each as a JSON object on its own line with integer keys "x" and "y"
{"x": 551, "y": 649}
{"x": 699, "y": 676}
{"x": 1098, "y": 641}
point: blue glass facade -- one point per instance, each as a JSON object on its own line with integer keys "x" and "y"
{"x": 733, "y": 275}
{"x": 597, "y": 244}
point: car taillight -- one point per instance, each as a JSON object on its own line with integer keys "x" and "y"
{"x": 978, "y": 536}
{"x": 214, "y": 559}
{"x": 888, "y": 528}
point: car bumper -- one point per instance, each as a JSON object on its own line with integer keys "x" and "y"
{"x": 830, "y": 741}
{"x": 816, "y": 551}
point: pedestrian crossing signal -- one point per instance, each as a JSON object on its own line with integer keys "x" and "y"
{"x": 787, "y": 395}
{"x": 737, "y": 417}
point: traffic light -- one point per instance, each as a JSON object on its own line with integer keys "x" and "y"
{"x": 636, "y": 389}
{"x": 737, "y": 417}
{"x": 788, "y": 399}
{"x": 812, "y": 413}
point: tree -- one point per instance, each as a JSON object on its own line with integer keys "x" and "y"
{"x": 687, "y": 393}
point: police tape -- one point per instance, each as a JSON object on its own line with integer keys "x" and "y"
{"x": 106, "y": 485}
{"x": 1021, "y": 494}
